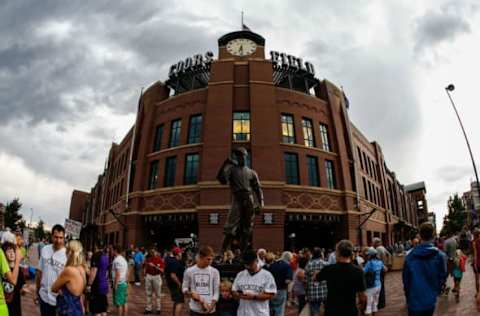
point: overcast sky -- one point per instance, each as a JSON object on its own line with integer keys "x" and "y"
{"x": 70, "y": 77}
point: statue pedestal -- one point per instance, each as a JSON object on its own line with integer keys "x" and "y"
{"x": 229, "y": 271}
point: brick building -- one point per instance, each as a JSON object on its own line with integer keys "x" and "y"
{"x": 78, "y": 205}
{"x": 322, "y": 179}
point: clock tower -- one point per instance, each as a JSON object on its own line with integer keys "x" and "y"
{"x": 241, "y": 45}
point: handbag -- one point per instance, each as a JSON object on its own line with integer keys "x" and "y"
{"x": 305, "y": 311}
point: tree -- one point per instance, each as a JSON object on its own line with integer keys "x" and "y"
{"x": 12, "y": 215}
{"x": 39, "y": 231}
{"x": 456, "y": 218}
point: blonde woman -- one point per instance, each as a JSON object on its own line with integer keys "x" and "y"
{"x": 71, "y": 283}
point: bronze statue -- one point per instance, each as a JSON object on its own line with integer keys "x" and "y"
{"x": 247, "y": 199}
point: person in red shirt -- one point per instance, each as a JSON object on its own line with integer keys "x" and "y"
{"x": 153, "y": 269}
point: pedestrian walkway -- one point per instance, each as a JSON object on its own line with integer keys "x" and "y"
{"x": 395, "y": 300}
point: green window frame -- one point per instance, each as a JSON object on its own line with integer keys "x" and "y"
{"x": 170, "y": 166}
{"x": 288, "y": 129}
{"x": 195, "y": 129}
{"x": 192, "y": 162}
{"x": 241, "y": 126}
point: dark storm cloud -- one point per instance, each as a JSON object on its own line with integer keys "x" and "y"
{"x": 61, "y": 65}
{"x": 443, "y": 24}
{"x": 55, "y": 63}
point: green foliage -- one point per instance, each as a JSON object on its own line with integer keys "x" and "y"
{"x": 456, "y": 218}
{"x": 39, "y": 231}
{"x": 12, "y": 216}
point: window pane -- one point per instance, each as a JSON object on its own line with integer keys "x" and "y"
{"x": 175, "y": 133}
{"x": 152, "y": 179}
{"x": 308, "y": 133}
{"x": 312, "y": 166}
{"x": 170, "y": 165}
{"x": 291, "y": 168}
{"x": 157, "y": 142}
{"x": 288, "y": 130}
{"x": 241, "y": 126}
{"x": 325, "y": 139}
{"x": 330, "y": 174}
{"x": 195, "y": 129}
{"x": 191, "y": 169}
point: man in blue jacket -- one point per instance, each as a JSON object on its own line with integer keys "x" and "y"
{"x": 424, "y": 273}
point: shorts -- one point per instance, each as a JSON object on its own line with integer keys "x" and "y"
{"x": 373, "y": 296}
{"x": 98, "y": 303}
{"x": 176, "y": 294}
{"x": 120, "y": 295}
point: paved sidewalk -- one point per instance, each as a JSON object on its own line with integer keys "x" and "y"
{"x": 395, "y": 300}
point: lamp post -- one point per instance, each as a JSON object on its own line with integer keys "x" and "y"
{"x": 448, "y": 89}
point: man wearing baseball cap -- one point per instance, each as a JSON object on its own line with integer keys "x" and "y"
{"x": 174, "y": 269}
{"x": 254, "y": 287}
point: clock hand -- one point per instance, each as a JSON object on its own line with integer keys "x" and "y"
{"x": 241, "y": 49}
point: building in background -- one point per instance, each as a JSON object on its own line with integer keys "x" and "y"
{"x": 471, "y": 202}
{"x": 2, "y": 215}
{"x": 432, "y": 219}
{"x": 323, "y": 180}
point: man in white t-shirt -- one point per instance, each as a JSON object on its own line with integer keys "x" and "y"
{"x": 254, "y": 287}
{"x": 120, "y": 286}
{"x": 202, "y": 283}
{"x": 51, "y": 263}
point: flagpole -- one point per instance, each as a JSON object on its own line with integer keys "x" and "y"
{"x": 241, "y": 25}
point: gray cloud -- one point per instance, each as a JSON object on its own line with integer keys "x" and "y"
{"x": 57, "y": 62}
{"x": 443, "y": 24}
{"x": 382, "y": 94}
{"x": 453, "y": 173}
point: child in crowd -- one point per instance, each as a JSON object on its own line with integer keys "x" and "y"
{"x": 458, "y": 269}
{"x": 12, "y": 292}
{"x": 227, "y": 305}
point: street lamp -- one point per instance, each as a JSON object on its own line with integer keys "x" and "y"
{"x": 448, "y": 89}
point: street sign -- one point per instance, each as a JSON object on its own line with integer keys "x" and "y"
{"x": 73, "y": 228}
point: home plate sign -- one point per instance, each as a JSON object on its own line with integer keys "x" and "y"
{"x": 72, "y": 228}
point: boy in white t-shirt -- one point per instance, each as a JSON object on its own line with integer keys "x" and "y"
{"x": 120, "y": 286}
{"x": 254, "y": 287}
{"x": 202, "y": 283}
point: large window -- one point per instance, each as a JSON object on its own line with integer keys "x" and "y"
{"x": 308, "y": 132}
{"x": 330, "y": 174}
{"x": 325, "y": 140}
{"x": 157, "y": 142}
{"x": 360, "y": 156}
{"x": 365, "y": 188}
{"x": 291, "y": 168}
{"x": 288, "y": 131}
{"x": 241, "y": 126}
{"x": 191, "y": 169}
{"x": 175, "y": 133}
{"x": 312, "y": 164}
{"x": 170, "y": 165}
{"x": 153, "y": 177}
{"x": 195, "y": 129}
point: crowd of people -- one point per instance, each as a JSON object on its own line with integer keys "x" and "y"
{"x": 346, "y": 281}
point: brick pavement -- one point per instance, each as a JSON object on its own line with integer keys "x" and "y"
{"x": 395, "y": 300}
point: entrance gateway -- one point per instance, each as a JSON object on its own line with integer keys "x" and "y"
{"x": 311, "y": 230}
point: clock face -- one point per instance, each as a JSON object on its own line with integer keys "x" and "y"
{"x": 241, "y": 47}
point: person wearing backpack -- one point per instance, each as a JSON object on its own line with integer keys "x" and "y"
{"x": 373, "y": 269}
